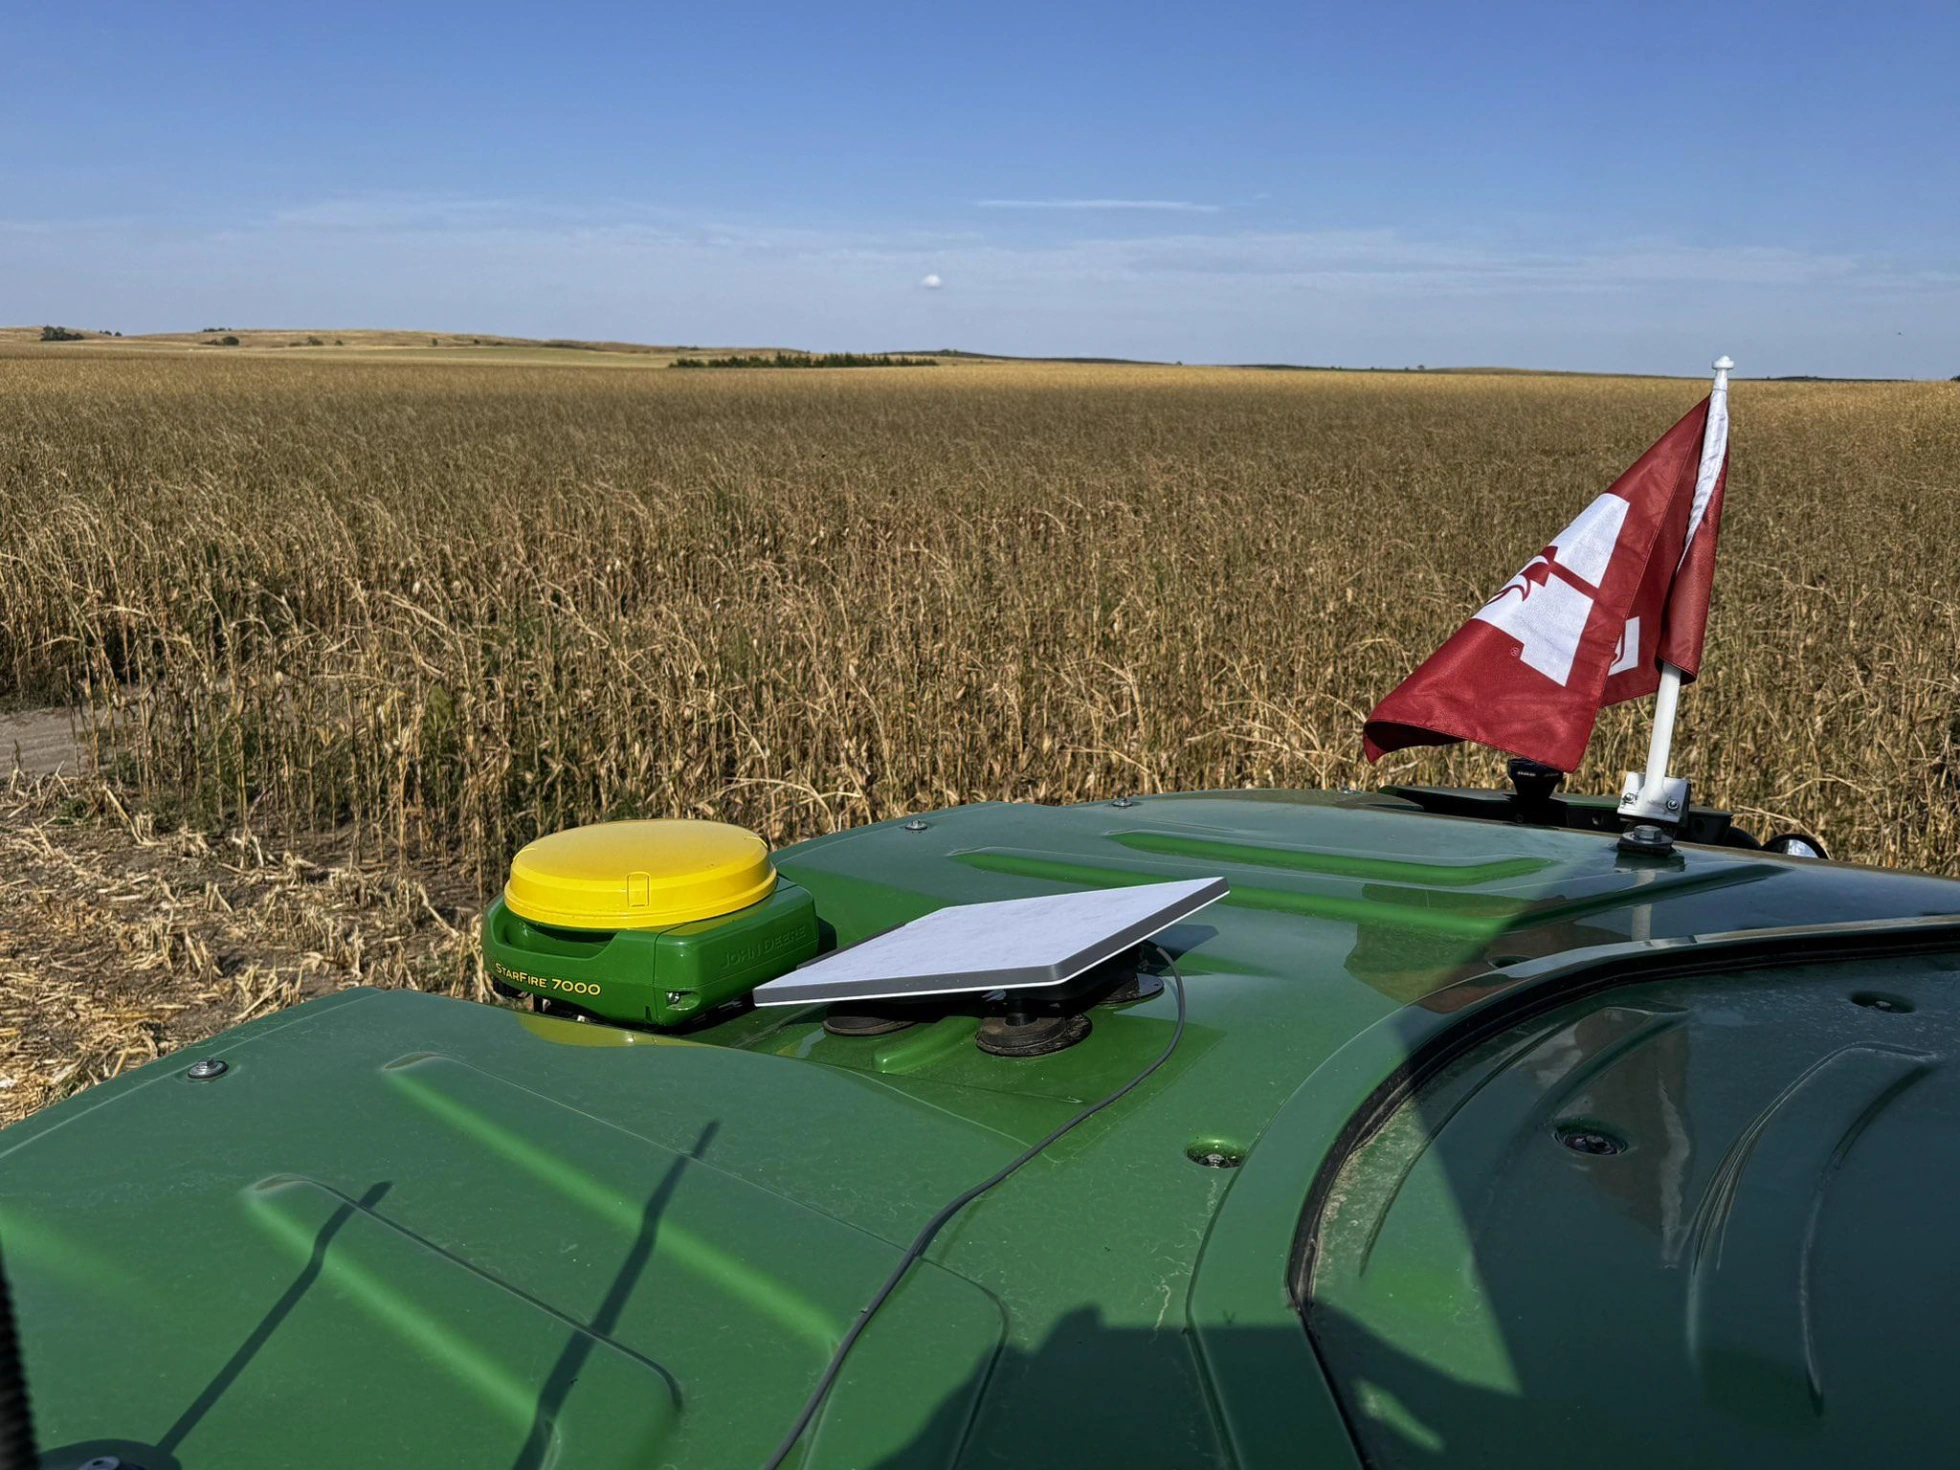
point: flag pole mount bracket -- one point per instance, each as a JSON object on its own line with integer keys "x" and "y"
{"x": 1652, "y": 810}
{"x": 1648, "y": 839}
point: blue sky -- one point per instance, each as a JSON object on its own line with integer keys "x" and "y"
{"x": 1620, "y": 187}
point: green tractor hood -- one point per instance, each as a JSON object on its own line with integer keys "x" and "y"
{"x": 1484, "y": 1142}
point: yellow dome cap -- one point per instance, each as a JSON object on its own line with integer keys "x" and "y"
{"x": 639, "y": 875}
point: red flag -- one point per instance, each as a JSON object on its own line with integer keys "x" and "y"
{"x": 1588, "y": 621}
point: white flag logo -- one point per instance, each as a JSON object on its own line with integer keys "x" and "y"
{"x": 1546, "y": 613}
{"x": 1627, "y": 655}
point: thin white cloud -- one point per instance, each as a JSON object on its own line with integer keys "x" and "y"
{"x": 398, "y": 212}
{"x": 932, "y": 283}
{"x": 1171, "y": 206}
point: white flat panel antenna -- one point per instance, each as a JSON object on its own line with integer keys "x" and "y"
{"x": 1013, "y": 944}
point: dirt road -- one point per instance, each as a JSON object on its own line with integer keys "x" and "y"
{"x": 42, "y": 742}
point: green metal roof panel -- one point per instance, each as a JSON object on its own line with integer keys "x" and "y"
{"x": 1686, "y": 1222}
{"x": 341, "y": 1252}
{"x": 691, "y": 1220}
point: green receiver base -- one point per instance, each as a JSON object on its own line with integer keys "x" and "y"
{"x": 662, "y": 978}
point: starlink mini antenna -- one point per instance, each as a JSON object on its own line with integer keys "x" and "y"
{"x": 1011, "y": 944}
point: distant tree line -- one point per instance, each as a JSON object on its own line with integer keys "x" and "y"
{"x": 805, "y": 360}
{"x": 62, "y": 334}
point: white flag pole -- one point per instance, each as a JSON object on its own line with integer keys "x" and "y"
{"x": 1652, "y": 796}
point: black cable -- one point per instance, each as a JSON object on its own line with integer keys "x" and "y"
{"x": 951, "y": 1208}
{"x": 16, "y": 1421}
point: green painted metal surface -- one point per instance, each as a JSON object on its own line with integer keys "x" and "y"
{"x": 402, "y": 1229}
{"x": 653, "y": 977}
{"x": 1690, "y": 1222}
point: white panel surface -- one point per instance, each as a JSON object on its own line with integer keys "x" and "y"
{"x": 1010, "y": 944}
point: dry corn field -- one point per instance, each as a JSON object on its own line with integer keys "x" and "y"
{"x": 348, "y": 632}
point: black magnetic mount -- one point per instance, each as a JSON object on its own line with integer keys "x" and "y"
{"x": 1052, "y": 1018}
{"x": 1120, "y": 980}
{"x": 1138, "y": 984}
{"x": 1034, "y": 1023}
{"x": 1022, "y": 1031}
{"x": 868, "y": 1018}
{"x": 1534, "y": 782}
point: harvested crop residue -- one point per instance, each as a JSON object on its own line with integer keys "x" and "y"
{"x": 119, "y": 944}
